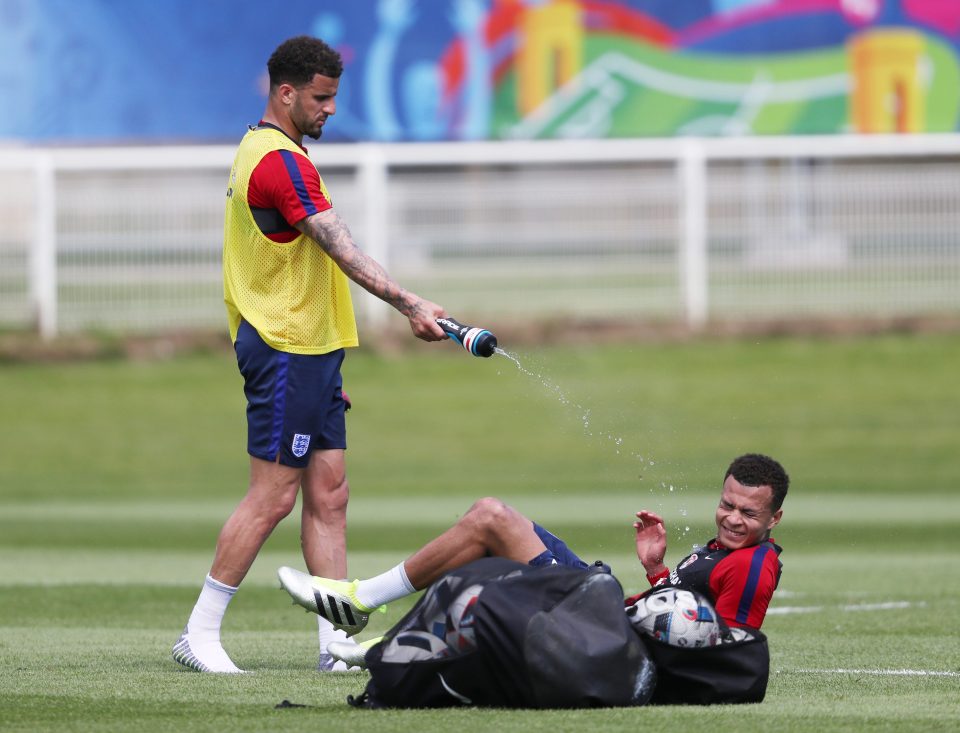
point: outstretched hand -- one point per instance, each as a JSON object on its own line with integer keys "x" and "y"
{"x": 423, "y": 317}
{"x": 651, "y": 539}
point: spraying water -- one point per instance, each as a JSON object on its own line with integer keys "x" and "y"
{"x": 584, "y": 415}
{"x": 551, "y": 387}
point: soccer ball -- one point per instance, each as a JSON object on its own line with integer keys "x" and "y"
{"x": 676, "y": 617}
{"x": 460, "y": 634}
{"x": 414, "y": 646}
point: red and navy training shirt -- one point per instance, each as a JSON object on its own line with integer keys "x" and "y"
{"x": 739, "y": 582}
{"x": 284, "y": 189}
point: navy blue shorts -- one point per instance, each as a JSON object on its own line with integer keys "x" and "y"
{"x": 294, "y": 401}
{"x": 557, "y": 550}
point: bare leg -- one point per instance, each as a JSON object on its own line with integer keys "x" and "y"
{"x": 490, "y": 527}
{"x": 271, "y": 496}
{"x": 323, "y": 534}
{"x": 323, "y": 526}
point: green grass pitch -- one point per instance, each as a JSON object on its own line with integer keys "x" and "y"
{"x": 116, "y": 476}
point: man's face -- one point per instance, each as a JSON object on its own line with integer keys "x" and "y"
{"x": 312, "y": 104}
{"x": 743, "y": 516}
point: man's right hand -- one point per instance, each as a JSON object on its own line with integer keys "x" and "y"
{"x": 651, "y": 540}
{"x": 423, "y": 316}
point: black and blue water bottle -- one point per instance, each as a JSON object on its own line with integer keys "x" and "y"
{"x": 478, "y": 341}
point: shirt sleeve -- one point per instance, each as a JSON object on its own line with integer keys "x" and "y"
{"x": 288, "y": 183}
{"x": 654, "y": 580}
{"x": 743, "y": 584}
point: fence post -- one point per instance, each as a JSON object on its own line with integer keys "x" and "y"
{"x": 693, "y": 250}
{"x": 43, "y": 253}
{"x": 373, "y": 187}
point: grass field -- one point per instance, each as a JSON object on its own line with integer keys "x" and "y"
{"x": 116, "y": 476}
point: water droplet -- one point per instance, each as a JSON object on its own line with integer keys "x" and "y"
{"x": 557, "y": 392}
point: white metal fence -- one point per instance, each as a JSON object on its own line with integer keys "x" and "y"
{"x": 128, "y": 239}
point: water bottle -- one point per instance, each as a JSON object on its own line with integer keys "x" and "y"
{"x": 478, "y": 341}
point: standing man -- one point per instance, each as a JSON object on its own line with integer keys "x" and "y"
{"x": 286, "y": 259}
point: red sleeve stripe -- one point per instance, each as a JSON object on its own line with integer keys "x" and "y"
{"x": 753, "y": 579}
{"x": 293, "y": 170}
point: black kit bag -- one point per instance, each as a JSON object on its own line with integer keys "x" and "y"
{"x": 503, "y": 634}
{"x": 734, "y": 671}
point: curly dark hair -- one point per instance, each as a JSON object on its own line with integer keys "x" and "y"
{"x": 297, "y": 60}
{"x": 755, "y": 469}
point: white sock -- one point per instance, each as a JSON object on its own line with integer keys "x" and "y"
{"x": 211, "y": 606}
{"x": 384, "y": 588}
{"x": 203, "y": 627}
{"x": 328, "y": 633}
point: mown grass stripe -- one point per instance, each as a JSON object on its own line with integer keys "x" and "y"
{"x": 800, "y": 506}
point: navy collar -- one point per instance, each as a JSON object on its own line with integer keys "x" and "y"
{"x": 270, "y": 126}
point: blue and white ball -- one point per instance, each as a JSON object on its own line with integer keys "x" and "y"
{"x": 460, "y": 630}
{"x": 415, "y": 646}
{"x": 676, "y": 617}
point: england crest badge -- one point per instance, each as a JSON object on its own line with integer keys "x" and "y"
{"x": 301, "y": 443}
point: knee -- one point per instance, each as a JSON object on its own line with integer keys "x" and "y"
{"x": 335, "y": 500}
{"x": 264, "y": 513}
{"x": 272, "y": 492}
{"x": 280, "y": 507}
{"x": 487, "y": 515}
{"x": 325, "y": 487}
{"x": 330, "y": 498}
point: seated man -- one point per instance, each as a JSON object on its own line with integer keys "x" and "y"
{"x": 738, "y": 569}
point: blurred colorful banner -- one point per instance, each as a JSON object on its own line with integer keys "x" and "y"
{"x": 194, "y": 71}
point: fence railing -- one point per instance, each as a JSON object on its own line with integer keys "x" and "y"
{"x": 128, "y": 238}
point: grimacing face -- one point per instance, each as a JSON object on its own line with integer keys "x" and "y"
{"x": 312, "y": 104}
{"x": 743, "y": 516}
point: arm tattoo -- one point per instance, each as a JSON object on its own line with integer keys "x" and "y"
{"x": 333, "y": 236}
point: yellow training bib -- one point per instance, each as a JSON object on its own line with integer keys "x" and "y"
{"x": 296, "y": 297}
